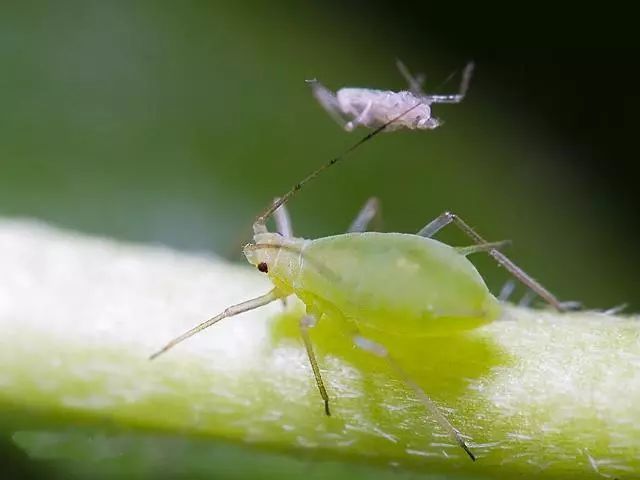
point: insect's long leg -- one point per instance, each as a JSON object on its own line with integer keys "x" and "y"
{"x": 283, "y": 221}
{"x": 360, "y": 119}
{"x": 307, "y": 322}
{"x": 415, "y": 83}
{"x": 455, "y": 98}
{"x": 228, "y": 312}
{"x": 328, "y": 101}
{"x": 506, "y": 290}
{"x": 527, "y": 298}
{"x": 447, "y": 217}
{"x": 369, "y": 211}
{"x": 380, "y": 351}
{"x": 482, "y": 247}
{"x": 284, "y": 227}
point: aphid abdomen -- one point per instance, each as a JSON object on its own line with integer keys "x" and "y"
{"x": 382, "y": 106}
{"x": 353, "y": 101}
{"x": 400, "y": 283}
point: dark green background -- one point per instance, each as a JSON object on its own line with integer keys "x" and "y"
{"x": 176, "y": 123}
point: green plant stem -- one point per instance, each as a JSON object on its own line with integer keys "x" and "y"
{"x": 537, "y": 392}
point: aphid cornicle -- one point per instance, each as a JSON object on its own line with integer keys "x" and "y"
{"x": 347, "y": 276}
{"x": 369, "y": 107}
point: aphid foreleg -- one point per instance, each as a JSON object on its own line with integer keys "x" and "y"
{"x": 328, "y": 101}
{"x": 455, "y": 98}
{"x": 369, "y": 211}
{"x": 415, "y": 83}
{"x": 380, "y": 351}
{"x": 228, "y": 312}
{"x": 284, "y": 227}
{"x": 447, "y": 217}
{"x": 283, "y": 220}
{"x": 361, "y": 119}
{"x": 307, "y": 322}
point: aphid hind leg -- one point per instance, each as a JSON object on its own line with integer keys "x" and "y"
{"x": 447, "y": 217}
{"x": 369, "y": 212}
{"x": 481, "y": 247}
{"x": 380, "y": 351}
{"x": 307, "y": 322}
{"x": 509, "y": 287}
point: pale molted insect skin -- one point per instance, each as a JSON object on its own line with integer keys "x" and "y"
{"x": 374, "y": 108}
{"x": 386, "y": 105}
{"x": 394, "y": 282}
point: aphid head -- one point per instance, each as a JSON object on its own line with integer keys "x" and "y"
{"x": 423, "y": 120}
{"x": 263, "y": 253}
{"x": 277, "y": 256}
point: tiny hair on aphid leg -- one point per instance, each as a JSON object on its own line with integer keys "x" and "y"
{"x": 418, "y": 301}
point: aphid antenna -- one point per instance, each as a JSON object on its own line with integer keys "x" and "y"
{"x": 258, "y": 225}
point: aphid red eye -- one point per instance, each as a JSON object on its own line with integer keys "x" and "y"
{"x": 262, "y": 266}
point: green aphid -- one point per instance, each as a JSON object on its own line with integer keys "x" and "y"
{"x": 401, "y": 284}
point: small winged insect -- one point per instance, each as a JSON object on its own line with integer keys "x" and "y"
{"x": 346, "y": 277}
{"x": 352, "y": 107}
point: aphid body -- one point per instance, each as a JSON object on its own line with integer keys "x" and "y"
{"x": 373, "y": 108}
{"x": 400, "y": 283}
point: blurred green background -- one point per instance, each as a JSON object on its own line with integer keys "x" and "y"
{"x": 176, "y": 123}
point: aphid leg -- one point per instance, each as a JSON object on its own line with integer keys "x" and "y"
{"x": 380, "y": 351}
{"x": 615, "y": 310}
{"x": 571, "y": 305}
{"x": 307, "y": 322}
{"x": 458, "y": 97}
{"x": 228, "y": 312}
{"x": 283, "y": 220}
{"x": 361, "y": 119}
{"x": 283, "y": 227}
{"x": 369, "y": 211}
{"x": 527, "y": 298}
{"x": 415, "y": 83}
{"x": 481, "y": 247}
{"x": 328, "y": 101}
{"x": 506, "y": 290}
{"x": 447, "y": 217}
